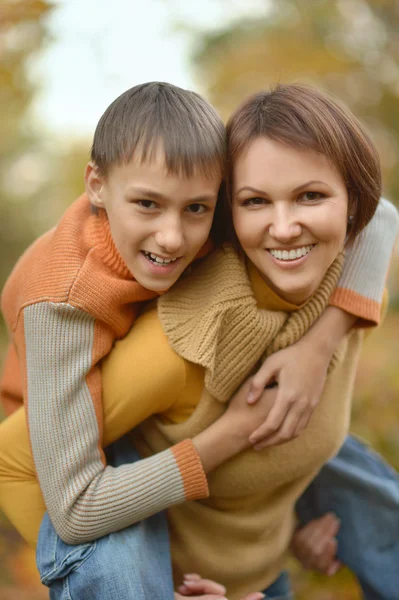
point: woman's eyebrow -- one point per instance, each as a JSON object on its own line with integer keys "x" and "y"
{"x": 308, "y": 183}
{"x": 250, "y": 189}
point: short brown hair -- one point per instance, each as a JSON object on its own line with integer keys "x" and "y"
{"x": 189, "y": 129}
{"x": 303, "y": 117}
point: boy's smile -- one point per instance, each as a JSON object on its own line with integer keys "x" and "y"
{"x": 159, "y": 221}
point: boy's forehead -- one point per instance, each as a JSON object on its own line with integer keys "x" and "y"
{"x": 155, "y": 164}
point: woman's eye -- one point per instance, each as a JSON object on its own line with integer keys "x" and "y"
{"x": 196, "y": 208}
{"x": 312, "y": 196}
{"x": 146, "y": 203}
{"x": 254, "y": 202}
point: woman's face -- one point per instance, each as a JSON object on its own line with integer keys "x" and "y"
{"x": 290, "y": 213}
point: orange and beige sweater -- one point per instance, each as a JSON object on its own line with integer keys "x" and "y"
{"x": 68, "y": 299}
{"x": 60, "y": 331}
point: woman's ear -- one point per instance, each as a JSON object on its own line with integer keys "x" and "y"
{"x": 94, "y": 183}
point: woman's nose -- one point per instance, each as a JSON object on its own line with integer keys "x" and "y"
{"x": 284, "y": 225}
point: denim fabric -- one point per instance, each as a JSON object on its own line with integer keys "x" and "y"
{"x": 280, "y": 589}
{"x": 363, "y": 491}
{"x": 132, "y": 564}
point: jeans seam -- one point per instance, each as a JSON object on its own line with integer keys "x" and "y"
{"x": 45, "y": 578}
{"x": 66, "y": 591}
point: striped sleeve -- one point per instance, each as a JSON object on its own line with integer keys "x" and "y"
{"x": 85, "y": 498}
{"x": 361, "y": 287}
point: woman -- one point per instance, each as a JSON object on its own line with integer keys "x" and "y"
{"x": 282, "y": 283}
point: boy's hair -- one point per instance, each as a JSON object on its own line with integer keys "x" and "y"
{"x": 189, "y": 130}
{"x": 303, "y": 117}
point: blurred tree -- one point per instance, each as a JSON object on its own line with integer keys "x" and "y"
{"x": 350, "y": 48}
{"x": 38, "y": 177}
{"x": 22, "y": 34}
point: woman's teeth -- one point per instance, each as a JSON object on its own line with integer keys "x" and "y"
{"x": 291, "y": 254}
{"x": 157, "y": 259}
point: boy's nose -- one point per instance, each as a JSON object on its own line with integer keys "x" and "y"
{"x": 170, "y": 236}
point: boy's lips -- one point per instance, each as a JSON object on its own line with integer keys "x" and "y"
{"x": 159, "y": 265}
{"x": 158, "y": 259}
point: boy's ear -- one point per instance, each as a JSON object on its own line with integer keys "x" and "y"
{"x": 94, "y": 182}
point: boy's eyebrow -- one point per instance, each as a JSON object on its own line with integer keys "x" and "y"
{"x": 148, "y": 193}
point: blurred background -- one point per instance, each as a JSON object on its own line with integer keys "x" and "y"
{"x": 63, "y": 62}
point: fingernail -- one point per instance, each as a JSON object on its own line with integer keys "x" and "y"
{"x": 250, "y": 397}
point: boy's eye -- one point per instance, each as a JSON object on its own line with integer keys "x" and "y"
{"x": 312, "y": 196}
{"x": 196, "y": 208}
{"x": 146, "y": 203}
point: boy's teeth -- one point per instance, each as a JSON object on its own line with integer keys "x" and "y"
{"x": 158, "y": 259}
{"x": 291, "y": 254}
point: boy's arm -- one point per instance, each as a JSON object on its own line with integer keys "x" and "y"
{"x": 11, "y": 395}
{"x": 361, "y": 287}
{"x": 114, "y": 498}
{"x": 85, "y": 498}
{"x": 301, "y": 369}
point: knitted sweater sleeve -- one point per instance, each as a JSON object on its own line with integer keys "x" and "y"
{"x": 361, "y": 287}
{"x": 11, "y": 395}
{"x": 85, "y": 498}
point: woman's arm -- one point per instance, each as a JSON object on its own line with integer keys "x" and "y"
{"x": 301, "y": 369}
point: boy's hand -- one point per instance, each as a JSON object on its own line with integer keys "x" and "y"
{"x": 315, "y": 544}
{"x": 300, "y": 373}
{"x": 204, "y": 589}
{"x": 244, "y": 418}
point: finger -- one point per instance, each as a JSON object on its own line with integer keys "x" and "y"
{"x": 265, "y": 375}
{"x": 325, "y": 528}
{"x": 303, "y": 422}
{"x": 204, "y": 586}
{"x": 254, "y": 596}
{"x": 272, "y": 423}
{"x": 335, "y": 566}
{"x": 285, "y": 434}
{"x": 327, "y": 557}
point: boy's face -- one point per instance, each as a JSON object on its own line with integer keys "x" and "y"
{"x": 158, "y": 221}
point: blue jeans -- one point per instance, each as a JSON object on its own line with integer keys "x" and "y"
{"x": 132, "y": 564}
{"x": 135, "y": 563}
{"x": 363, "y": 491}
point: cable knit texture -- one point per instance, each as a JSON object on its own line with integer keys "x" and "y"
{"x": 213, "y": 320}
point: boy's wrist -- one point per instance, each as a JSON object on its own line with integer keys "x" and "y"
{"x": 327, "y": 333}
{"x": 219, "y": 442}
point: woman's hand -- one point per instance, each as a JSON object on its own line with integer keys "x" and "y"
{"x": 315, "y": 545}
{"x": 204, "y": 589}
{"x": 300, "y": 372}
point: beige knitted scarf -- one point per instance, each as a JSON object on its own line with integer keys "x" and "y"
{"x": 211, "y": 318}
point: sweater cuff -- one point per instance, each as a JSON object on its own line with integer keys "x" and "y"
{"x": 367, "y": 310}
{"x": 190, "y": 466}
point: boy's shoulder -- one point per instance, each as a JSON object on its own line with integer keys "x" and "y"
{"x": 74, "y": 263}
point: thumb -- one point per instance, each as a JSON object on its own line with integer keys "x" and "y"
{"x": 266, "y": 375}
